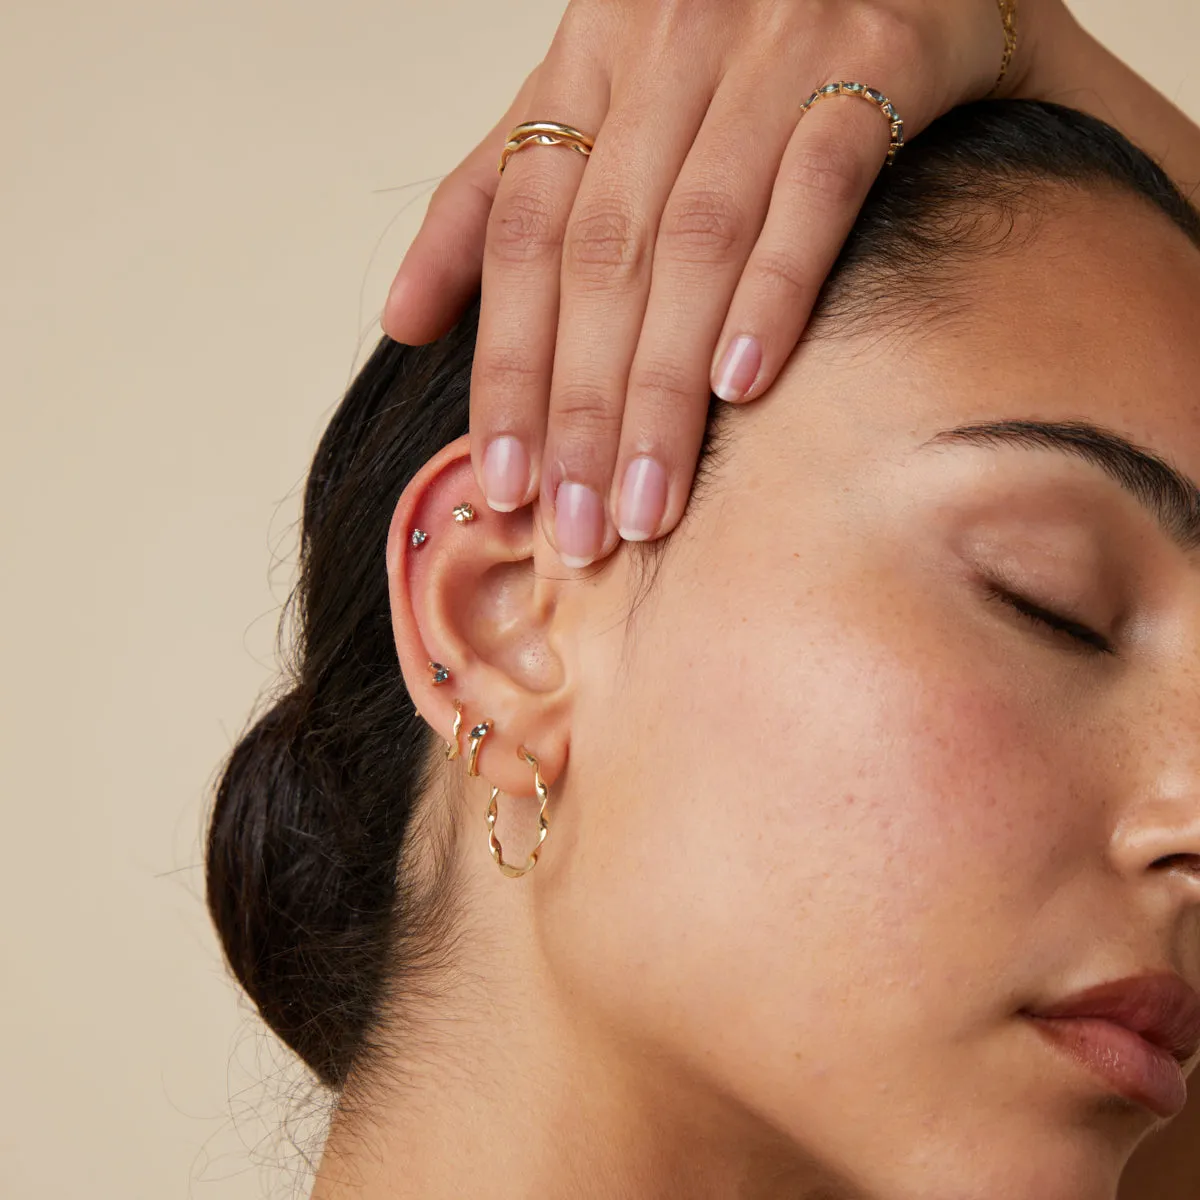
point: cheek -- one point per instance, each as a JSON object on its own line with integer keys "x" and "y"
{"x": 834, "y": 785}
{"x": 890, "y": 788}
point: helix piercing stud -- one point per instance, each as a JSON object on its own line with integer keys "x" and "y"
{"x": 440, "y": 673}
{"x": 418, "y": 537}
{"x": 463, "y": 513}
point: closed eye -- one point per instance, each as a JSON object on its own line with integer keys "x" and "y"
{"x": 1045, "y": 618}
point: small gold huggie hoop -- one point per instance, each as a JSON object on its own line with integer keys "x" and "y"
{"x": 452, "y": 750}
{"x": 477, "y": 735}
{"x": 543, "y": 794}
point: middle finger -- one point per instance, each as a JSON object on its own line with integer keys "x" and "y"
{"x": 604, "y": 287}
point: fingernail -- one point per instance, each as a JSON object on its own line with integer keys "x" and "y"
{"x": 578, "y": 523}
{"x": 505, "y": 473}
{"x": 738, "y": 368}
{"x": 642, "y": 501}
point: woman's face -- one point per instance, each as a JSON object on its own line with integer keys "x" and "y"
{"x": 836, "y": 811}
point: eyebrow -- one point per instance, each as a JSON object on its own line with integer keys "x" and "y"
{"x": 1169, "y": 495}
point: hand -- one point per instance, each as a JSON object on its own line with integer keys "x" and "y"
{"x": 686, "y": 253}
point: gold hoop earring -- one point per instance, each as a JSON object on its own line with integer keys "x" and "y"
{"x": 452, "y": 750}
{"x": 477, "y": 735}
{"x": 543, "y": 794}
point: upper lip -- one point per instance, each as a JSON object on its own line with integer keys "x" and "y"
{"x": 1159, "y": 1006}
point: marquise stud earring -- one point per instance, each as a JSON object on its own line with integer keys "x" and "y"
{"x": 417, "y": 537}
{"x": 440, "y": 673}
{"x": 476, "y": 737}
{"x": 463, "y": 513}
{"x": 543, "y": 795}
{"x": 452, "y": 750}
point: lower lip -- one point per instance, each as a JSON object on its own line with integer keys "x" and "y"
{"x": 1135, "y": 1069}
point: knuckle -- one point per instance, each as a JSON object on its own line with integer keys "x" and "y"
{"x": 503, "y": 371}
{"x": 666, "y": 384}
{"x": 831, "y": 170}
{"x": 585, "y": 413}
{"x": 703, "y": 225}
{"x": 521, "y": 226}
{"x": 605, "y": 245}
{"x": 782, "y": 273}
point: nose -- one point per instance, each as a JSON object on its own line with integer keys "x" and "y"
{"x": 1159, "y": 826}
{"x": 1162, "y": 835}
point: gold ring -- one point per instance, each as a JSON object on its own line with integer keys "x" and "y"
{"x": 544, "y": 133}
{"x": 885, "y": 106}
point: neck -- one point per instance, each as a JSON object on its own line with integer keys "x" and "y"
{"x": 508, "y": 1088}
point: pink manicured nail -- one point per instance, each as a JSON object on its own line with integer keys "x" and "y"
{"x": 505, "y": 473}
{"x": 738, "y": 367}
{"x": 578, "y": 523}
{"x": 642, "y": 501}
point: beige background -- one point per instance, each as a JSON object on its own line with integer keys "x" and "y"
{"x": 201, "y": 207}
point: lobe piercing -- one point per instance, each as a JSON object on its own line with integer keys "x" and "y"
{"x": 463, "y": 513}
{"x": 440, "y": 673}
{"x": 418, "y": 537}
{"x": 477, "y": 735}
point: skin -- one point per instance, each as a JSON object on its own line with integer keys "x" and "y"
{"x": 825, "y": 815}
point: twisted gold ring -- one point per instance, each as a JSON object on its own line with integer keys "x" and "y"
{"x": 885, "y": 106}
{"x": 544, "y": 133}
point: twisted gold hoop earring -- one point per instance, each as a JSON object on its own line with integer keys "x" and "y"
{"x": 543, "y": 794}
{"x": 452, "y": 750}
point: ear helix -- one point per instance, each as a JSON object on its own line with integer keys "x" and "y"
{"x": 463, "y": 514}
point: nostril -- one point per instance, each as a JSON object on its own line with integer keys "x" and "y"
{"x": 1189, "y": 863}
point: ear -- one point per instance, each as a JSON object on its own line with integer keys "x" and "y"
{"x": 470, "y": 596}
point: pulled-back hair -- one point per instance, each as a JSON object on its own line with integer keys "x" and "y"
{"x": 330, "y": 885}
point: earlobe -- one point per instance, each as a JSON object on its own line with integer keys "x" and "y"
{"x": 473, "y": 623}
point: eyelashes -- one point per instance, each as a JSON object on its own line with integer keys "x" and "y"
{"x": 1046, "y": 619}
